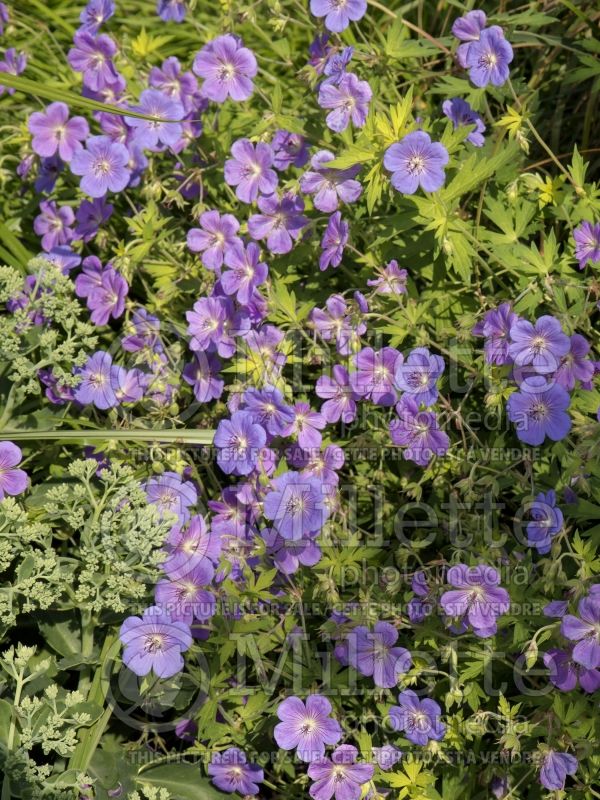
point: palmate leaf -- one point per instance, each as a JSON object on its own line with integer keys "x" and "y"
{"x": 475, "y": 170}
{"x": 57, "y": 94}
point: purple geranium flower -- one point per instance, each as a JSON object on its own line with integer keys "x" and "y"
{"x": 92, "y": 56}
{"x": 306, "y": 425}
{"x": 104, "y": 166}
{"x": 575, "y": 365}
{"x": 189, "y": 547}
{"x": 391, "y": 281}
{"x": 468, "y": 29}
{"x": 496, "y": 326}
{"x": 90, "y": 215}
{"x": 541, "y": 345}
{"x": 53, "y": 131}
{"x": 12, "y": 481}
{"x": 186, "y": 599}
{"x": 373, "y": 653}
{"x": 565, "y": 673}
{"x": 53, "y": 224}
{"x": 340, "y": 398}
{"x": 539, "y": 410}
{"x": 349, "y": 101}
{"x": 171, "y": 10}
{"x": 239, "y": 441}
{"x": 416, "y": 161}
{"x": 289, "y": 149}
{"x": 307, "y": 727}
{"x": 96, "y": 385}
{"x": 227, "y": 68}
{"x": 419, "y": 719}
{"x": 477, "y": 597}
{"x": 230, "y": 772}
{"x": 154, "y": 642}
{"x": 171, "y": 81}
{"x": 460, "y": 113}
{"x": 587, "y": 243}
{"x": 245, "y": 272}
{"x": 104, "y": 288}
{"x": 171, "y": 494}
{"x": 488, "y": 58}
{"x": 335, "y": 66}
{"x": 340, "y": 776}
{"x": 333, "y": 242}
{"x": 165, "y": 129}
{"x": 585, "y": 630}
{"x": 387, "y": 756}
{"x": 296, "y": 505}
{"x": 287, "y": 555}
{"x": 547, "y": 521}
{"x": 269, "y": 409}
{"x": 250, "y": 170}
{"x": 13, "y": 64}
{"x": 554, "y": 769}
{"x": 280, "y": 222}
{"x": 335, "y": 323}
{"x": 418, "y": 375}
{"x": 217, "y": 234}
{"x": 418, "y": 432}
{"x": 95, "y": 14}
{"x": 338, "y": 13}
{"x": 374, "y": 376}
{"x": 330, "y": 186}
{"x": 203, "y": 375}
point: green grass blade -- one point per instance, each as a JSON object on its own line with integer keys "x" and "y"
{"x": 183, "y": 436}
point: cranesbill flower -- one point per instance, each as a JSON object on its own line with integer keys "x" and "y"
{"x": 575, "y": 366}
{"x": 419, "y": 719}
{"x": 188, "y": 548}
{"x": 53, "y": 224}
{"x": 186, "y": 599}
{"x": 128, "y": 384}
{"x": 171, "y": 494}
{"x": 53, "y": 131}
{"x": 338, "y": 13}
{"x": 488, "y": 58}
{"x": 95, "y": 386}
{"x": 13, "y": 64}
{"x": 416, "y": 161}
{"x": 541, "y": 345}
{"x": 554, "y": 769}
{"x": 468, "y": 29}
{"x": 339, "y": 777}
{"x": 418, "y": 432}
{"x": 64, "y": 258}
{"x": 245, "y": 271}
{"x": 90, "y": 215}
{"x": 587, "y": 243}
{"x": 565, "y": 673}
{"x": 172, "y": 82}
{"x": 477, "y": 597}
{"x": 547, "y": 521}
{"x": 335, "y": 66}
{"x": 280, "y": 222}
{"x": 418, "y": 375}
{"x": 330, "y": 186}
{"x": 333, "y": 242}
{"x": 496, "y": 326}
{"x": 319, "y": 51}
{"x": 585, "y": 630}
{"x": 95, "y": 14}
{"x": 340, "y": 398}
{"x": 154, "y": 642}
{"x": 374, "y": 376}
{"x": 373, "y": 653}
{"x": 104, "y": 166}
{"x": 202, "y": 374}
{"x": 460, "y": 113}
{"x": 306, "y": 727}
{"x": 391, "y": 281}
{"x": 296, "y": 505}
{"x": 48, "y": 172}
{"x": 171, "y": 10}
{"x": 13, "y": 481}
{"x": 239, "y": 441}
{"x": 227, "y": 68}
{"x": 104, "y": 289}
{"x": 289, "y": 149}
{"x": 250, "y": 170}
{"x": 217, "y": 234}
{"x": 287, "y": 555}
{"x": 165, "y": 129}
{"x": 206, "y": 323}
{"x": 387, "y": 756}
{"x": 231, "y": 772}
{"x": 306, "y": 425}
{"x": 539, "y": 410}
{"x": 92, "y": 56}
{"x": 349, "y": 101}
{"x": 268, "y": 408}
{"x": 334, "y": 322}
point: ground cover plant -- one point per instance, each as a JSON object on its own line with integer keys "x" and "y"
{"x": 299, "y": 409}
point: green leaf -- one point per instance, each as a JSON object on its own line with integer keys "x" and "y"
{"x": 351, "y": 156}
{"x": 18, "y": 251}
{"x": 183, "y": 781}
{"x": 477, "y": 169}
